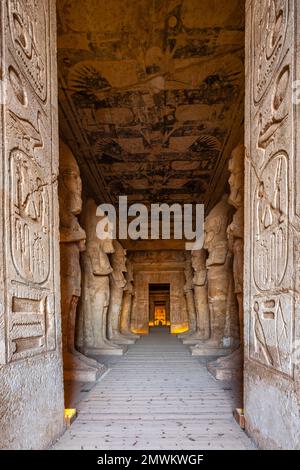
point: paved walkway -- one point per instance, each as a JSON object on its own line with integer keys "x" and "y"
{"x": 157, "y": 396}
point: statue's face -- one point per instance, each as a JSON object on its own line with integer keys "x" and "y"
{"x": 73, "y": 188}
{"x": 195, "y": 262}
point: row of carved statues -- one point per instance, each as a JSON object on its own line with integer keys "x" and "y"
{"x": 214, "y": 281}
{"x": 96, "y": 282}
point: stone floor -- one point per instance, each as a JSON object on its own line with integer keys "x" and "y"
{"x": 157, "y": 396}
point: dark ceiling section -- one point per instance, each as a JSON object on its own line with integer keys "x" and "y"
{"x": 149, "y": 93}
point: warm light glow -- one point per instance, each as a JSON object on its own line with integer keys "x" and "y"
{"x": 160, "y": 316}
{"x": 70, "y": 415}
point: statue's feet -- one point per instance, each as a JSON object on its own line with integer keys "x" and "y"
{"x": 229, "y": 367}
{"x": 76, "y": 368}
{"x": 105, "y": 348}
{"x": 121, "y": 339}
{"x": 86, "y": 360}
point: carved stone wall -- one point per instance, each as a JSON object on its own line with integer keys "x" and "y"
{"x": 159, "y": 267}
{"x": 272, "y": 322}
{"x": 31, "y": 410}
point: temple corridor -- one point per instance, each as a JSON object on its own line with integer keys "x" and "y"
{"x": 150, "y": 224}
{"x": 156, "y": 396}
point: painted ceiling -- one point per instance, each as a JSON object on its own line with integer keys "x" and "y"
{"x": 149, "y": 93}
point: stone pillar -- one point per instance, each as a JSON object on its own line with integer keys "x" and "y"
{"x": 31, "y": 381}
{"x": 72, "y": 242}
{"x": 221, "y": 297}
{"x": 200, "y": 297}
{"x": 117, "y": 284}
{"x": 231, "y": 367}
{"x": 96, "y": 289}
{"x": 272, "y": 224}
{"x": 189, "y": 296}
{"x": 125, "y": 324}
{"x": 151, "y": 310}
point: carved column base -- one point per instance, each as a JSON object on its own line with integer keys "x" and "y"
{"x": 78, "y": 368}
{"x": 210, "y": 348}
{"x": 130, "y": 335}
{"x": 229, "y": 367}
{"x": 106, "y": 350}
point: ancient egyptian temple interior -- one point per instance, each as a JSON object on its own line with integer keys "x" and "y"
{"x": 149, "y": 342}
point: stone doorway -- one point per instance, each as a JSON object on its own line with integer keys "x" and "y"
{"x": 159, "y": 305}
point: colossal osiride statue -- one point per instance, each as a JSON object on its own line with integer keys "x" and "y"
{"x": 117, "y": 285}
{"x": 221, "y": 298}
{"x": 189, "y": 297}
{"x": 72, "y": 242}
{"x": 127, "y": 303}
{"x": 96, "y": 290}
{"x": 230, "y": 367}
{"x": 200, "y": 297}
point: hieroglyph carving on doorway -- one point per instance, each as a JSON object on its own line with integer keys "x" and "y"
{"x": 270, "y": 19}
{"x": 271, "y": 155}
{"x": 30, "y": 167}
{"x": 28, "y": 28}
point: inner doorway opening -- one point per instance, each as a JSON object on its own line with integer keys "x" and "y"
{"x": 159, "y": 305}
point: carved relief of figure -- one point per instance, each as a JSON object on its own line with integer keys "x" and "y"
{"x": 200, "y": 297}
{"x": 96, "y": 289}
{"x": 127, "y": 303}
{"x": 221, "y": 299}
{"x": 117, "y": 286}
{"x": 232, "y": 365}
{"x": 72, "y": 242}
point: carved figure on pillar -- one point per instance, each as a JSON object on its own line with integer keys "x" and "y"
{"x": 96, "y": 289}
{"x": 221, "y": 298}
{"x": 72, "y": 242}
{"x": 189, "y": 294}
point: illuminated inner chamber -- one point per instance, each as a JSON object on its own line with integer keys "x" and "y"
{"x": 159, "y": 305}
